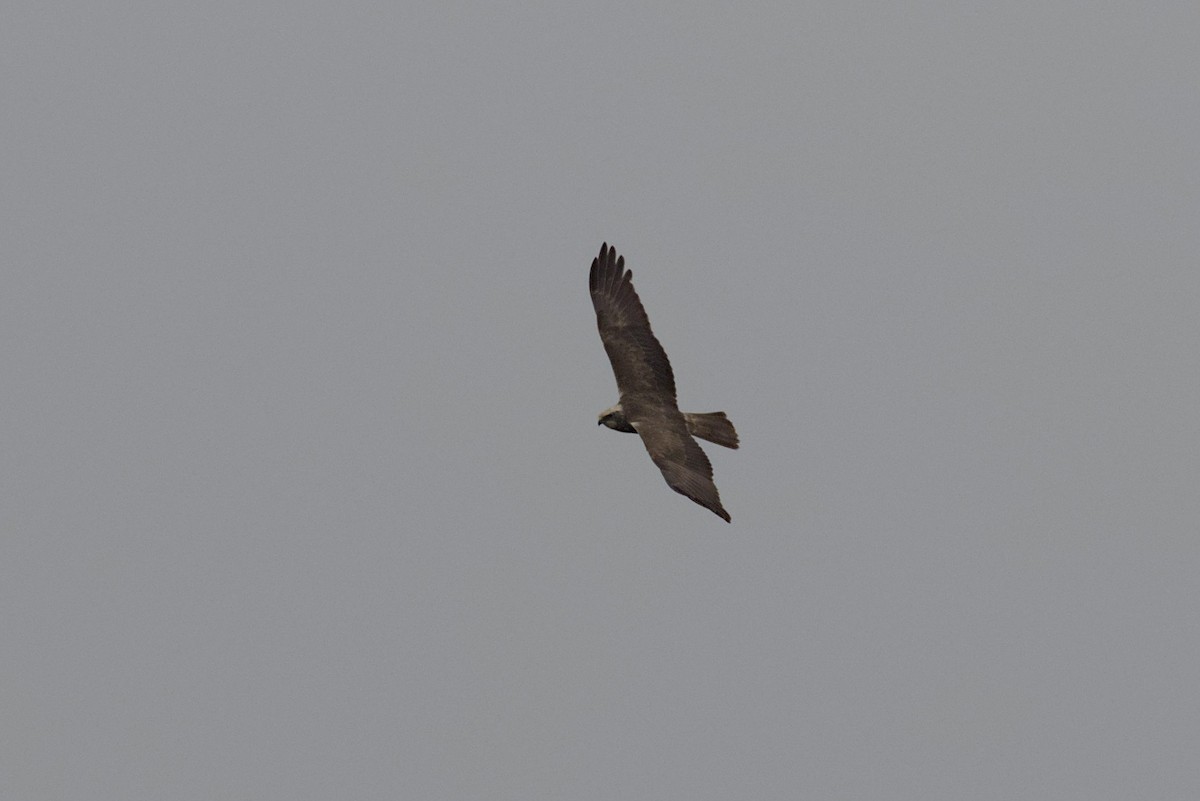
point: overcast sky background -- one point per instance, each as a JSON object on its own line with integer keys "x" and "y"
{"x": 303, "y": 492}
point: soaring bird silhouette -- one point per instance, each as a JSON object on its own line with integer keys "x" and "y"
{"x": 646, "y": 385}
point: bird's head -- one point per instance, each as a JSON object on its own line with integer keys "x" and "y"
{"x": 614, "y": 418}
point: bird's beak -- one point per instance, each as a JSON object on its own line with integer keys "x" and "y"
{"x": 598, "y": 422}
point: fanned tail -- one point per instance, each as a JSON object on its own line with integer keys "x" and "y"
{"x": 712, "y": 426}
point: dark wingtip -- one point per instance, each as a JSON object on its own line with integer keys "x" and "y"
{"x": 717, "y": 509}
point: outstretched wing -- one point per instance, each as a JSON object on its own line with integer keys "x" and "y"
{"x": 681, "y": 459}
{"x": 638, "y": 360}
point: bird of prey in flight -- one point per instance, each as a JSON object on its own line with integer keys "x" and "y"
{"x": 647, "y": 388}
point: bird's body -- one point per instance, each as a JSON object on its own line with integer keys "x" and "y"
{"x": 647, "y": 388}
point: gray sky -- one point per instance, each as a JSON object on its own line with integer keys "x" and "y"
{"x": 303, "y": 492}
